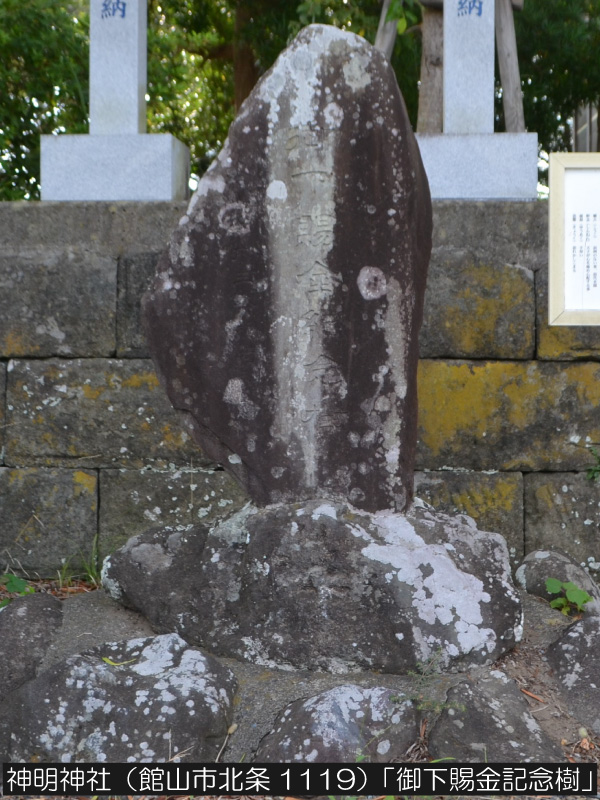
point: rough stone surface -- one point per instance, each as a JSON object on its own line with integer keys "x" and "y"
{"x": 539, "y": 565}
{"x": 43, "y": 295}
{"x": 323, "y": 586}
{"x": 487, "y": 719}
{"x": 57, "y": 629}
{"x": 133, "y": 500}
{"x": 563, "y": 511}
{"x": 48, "y": 516}
{"x": 493, "y": 233}
{"x": 27, "y": 625}
{"x": 95, "y": 618}
{"x": 497, "y": 300}
{"x": 493, "y": 500}
{"x": 284, "y": 316}
{"x": 102, "y": 412}
{"x": 574, "y": 658}
{"x": 169, "y": 699}
{"x": 562, "y": 342}
{"x": 113, "y": 228}
{"x": 135, "y": 273}
{"x": 344, "y": 724}
{"x": 517, "y": 235}
{"x": 507, "y": 415}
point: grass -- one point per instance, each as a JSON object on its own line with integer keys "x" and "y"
{"x": 69, "y": 580}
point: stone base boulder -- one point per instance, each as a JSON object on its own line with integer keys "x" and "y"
{"x": 321, "y": 585}
{"x": 487, "y": 719}
{"x": 574, "y": 659}
{"x": 345, "y": 724}
{"x": 149, "y": 700}
{"x": 27, "y": 626}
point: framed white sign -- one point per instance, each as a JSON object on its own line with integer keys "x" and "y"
{"x": 574, "y": 246}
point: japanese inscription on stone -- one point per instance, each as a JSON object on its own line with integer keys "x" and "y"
{"x": 284, "y": 316}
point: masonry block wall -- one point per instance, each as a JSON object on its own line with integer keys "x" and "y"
{"x": 91, "y": 451}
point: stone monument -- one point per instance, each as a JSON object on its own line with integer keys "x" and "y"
{"x": 468, "y": 160}
{"x": 118, "y": 160}
{"x": 284, "y": 321}
{"x": 302, "y": 262}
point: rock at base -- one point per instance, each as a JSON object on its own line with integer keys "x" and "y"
{"x": 487, "y": 719}
{"x": 345, "y": 724}
{"x": 152, "y": 699}
{"x": 323, "y": 586}
{"x": 574, "y": 659}
{"x": 27, "y": 626}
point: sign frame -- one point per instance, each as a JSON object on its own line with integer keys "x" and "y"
{"x": 561, "y": 166}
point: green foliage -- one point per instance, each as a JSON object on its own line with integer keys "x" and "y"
{"x": 571, "y": 597}
{"x": 15, "y": 585}
{"x": 44, "y": 80}
{"x": 593, "y": 472}
{"x": 190, "y": 87}
{"x": 194, "y": 65}
{"x": 558, "y": 43}
{"x": 89, "y": 572}
{"x": 406, "y": 13}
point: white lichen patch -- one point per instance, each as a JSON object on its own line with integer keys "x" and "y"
{"x": 324, "y": 510}
{"x": 277, "y": 190}
{"x": 210, "y": 182}
{"x": 110, "y": 586}
{"x": 442, "y": 593}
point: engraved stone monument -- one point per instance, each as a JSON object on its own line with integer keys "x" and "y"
{"x": 284, "y": 321}
{"x": 285, "y": 316}
{"x": 118, "y": 160}
{"x": 468, "y": 160}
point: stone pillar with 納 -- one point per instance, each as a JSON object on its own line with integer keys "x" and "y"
{"x": 469, "y": 160}
{"x": 469, "y": 67}
{"x": 117, "y": 160}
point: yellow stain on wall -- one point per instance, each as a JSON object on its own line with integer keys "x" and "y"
{"x": 558, "y": 341}
{"x": 546, "y": 498}
{"x": 171, "y": 438}
{"x": 19, "y": 475}
{"x": 84, "y": 482}
{"x": 454, "y": 398}
{"x": 479, "y": 402}
{"x": 488, "y": 295}
{"x": 92, "y": 392}
{"x": 14, "y": 344}
{"x": 141, "y": 380}
{"x": 487, "y": 499}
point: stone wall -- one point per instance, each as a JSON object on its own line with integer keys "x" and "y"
{"x": 92, "y": 451}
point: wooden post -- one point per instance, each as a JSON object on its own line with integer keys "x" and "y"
{"x": 506, "y": 44}
{"x": 430, "y": 116}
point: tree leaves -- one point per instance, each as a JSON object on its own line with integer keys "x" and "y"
{"x": 44, "y": 79}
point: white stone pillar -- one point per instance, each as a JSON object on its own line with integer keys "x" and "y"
{"x": 469, "y": 66}
{"x": 118, "y": 61}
